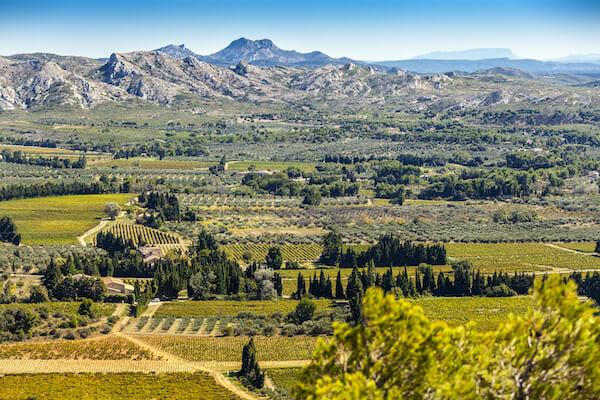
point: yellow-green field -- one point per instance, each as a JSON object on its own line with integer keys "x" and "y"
{"x": 586, "y": 247}
{"x": 191, "y": 348}
{"x": 129, "y": 386}
{"x": 58, "y": 219}
{"x": 152, "y": 163}
{"x": 520, "y": 256}
{"x": 284, "y": 378}
{"x": 486, "y": 312}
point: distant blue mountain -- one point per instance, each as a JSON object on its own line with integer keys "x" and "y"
{"x": 533, "y": 66}
{"x": 470, "y": 54}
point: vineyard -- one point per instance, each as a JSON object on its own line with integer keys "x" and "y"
{"x": 141, "y": 234}
{"x": 284, "y": 378}
{"x": 123, "y": 386}
{"x": 113, "y": 348}
{"x": 486, "y": 312}
{"x": 58, "y": 219}
{"x": 258, "y": 252}
{"x": 279, "y": 348}
{"x": 490, "y": 257}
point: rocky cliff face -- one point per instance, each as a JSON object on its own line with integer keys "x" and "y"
{"x": 44, "y": 83}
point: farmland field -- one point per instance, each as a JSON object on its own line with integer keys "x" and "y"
{"x": 485, "y": 312}
{"x": 58, "y": 219}
{"x": 113, "y": 348}
{"x": 125, "y": 386}
{"x": 229, "y": 307}
{"x": 257, "y": 252}
{"x": 135, "y": 232}
{"x": 519, "y": 256}
{"x": 280, "y": 348}
{"x": 587, "y": 247}
{"x": 284, "y": 378}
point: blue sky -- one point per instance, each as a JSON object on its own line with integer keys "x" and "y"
{"x": 367, "y": 30}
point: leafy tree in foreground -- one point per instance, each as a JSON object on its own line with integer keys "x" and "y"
{"x": 398, "y": 353}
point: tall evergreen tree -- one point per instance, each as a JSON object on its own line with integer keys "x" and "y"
{"x": 301, "y": 287}
{"x": 332, "y": 248}
{"x": 339, "y": 288}
{"x": 250, "y": 368}
{"x": 354, "y": 294}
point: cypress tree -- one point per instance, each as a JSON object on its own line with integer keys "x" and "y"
{"x": 441, "y": 285}
{"x": 339, "y": 289}
{"x": 250, "y": 369}
{"x": 371, "y": 276}
{"x": 323, "y": 286}
{"x": 387, "y": 282}
{"x": 52, "y": 276}
{"x": 328, "y": 288}
{"x": 354, "y": 294}
{"x": 301, "y": 287}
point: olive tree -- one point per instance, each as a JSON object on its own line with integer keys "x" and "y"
{"x": 112, "y": 209}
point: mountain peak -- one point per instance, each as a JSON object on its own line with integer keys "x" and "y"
{"x": 179, "y": 51}
{"x": 251, "y": 44}
{"x": 262, "y": 52}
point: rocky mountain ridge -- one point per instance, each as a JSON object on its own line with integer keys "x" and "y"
{"x": 44, "y": 80}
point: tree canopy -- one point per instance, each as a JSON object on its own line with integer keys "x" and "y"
{"x": 396, "y": 352}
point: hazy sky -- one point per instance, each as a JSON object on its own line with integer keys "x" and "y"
{"x": 367, "y": 30}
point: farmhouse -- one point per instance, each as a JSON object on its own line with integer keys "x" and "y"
{"x": 116, "y": 286}
{"x": 150, "y": 254}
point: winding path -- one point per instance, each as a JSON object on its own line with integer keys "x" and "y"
{"x": 97, "y": 228}
{"x": 218, "y": 377}
{"x": 185, "y": 365}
